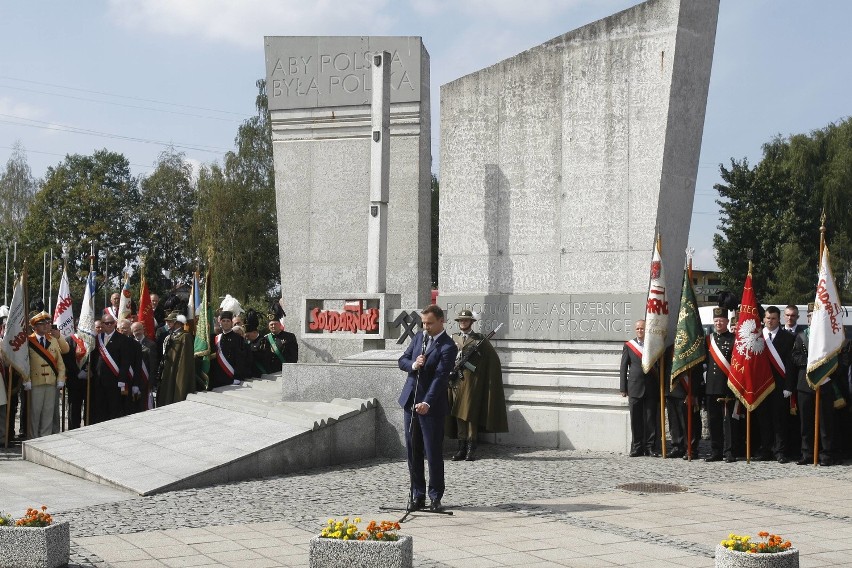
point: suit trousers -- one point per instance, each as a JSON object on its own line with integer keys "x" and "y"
{"x": 771, "y": 420}
{"x": 643, "y": 413}
{"x": 43, "y": 398}
{"x": 425, "y": 436}
{"x": 678, "y": 411}
{"x": 719, "y": 419}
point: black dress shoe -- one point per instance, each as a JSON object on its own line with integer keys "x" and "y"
{"x": 675, "y": 454}
{"x": 782, "y": 459}
{"x": 763, "y": 458}
{"x": 803, "y": 461}
{"x": 730, "y": 459}
{"x": 637, "y": 454}
{"x": 826, "y": 463}
{"x": 435, "y": 505}
{"x": 713, "y": 459}
{"x": 417, "y": 504}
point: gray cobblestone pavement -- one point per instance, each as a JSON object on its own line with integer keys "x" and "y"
{"x": 505, "y": 479}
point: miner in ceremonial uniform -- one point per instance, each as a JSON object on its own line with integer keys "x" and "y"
{"x": 230, "y": 366}
{"x": 177, "y": 368}
{"x": 807, "y": 404}
{"x": 773, "y": 413}
{"x": 47, "y": 374}
{"x": 281, "y": 346}
{"x": 720, "y": 399}
{"x": 642, "y": 391}
{"x": 256, "y": 342}
{"x": 477, "y": 400}
{"x": 112, "y": 363}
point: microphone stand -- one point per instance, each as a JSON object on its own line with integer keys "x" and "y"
{"x": 409, "y": 508}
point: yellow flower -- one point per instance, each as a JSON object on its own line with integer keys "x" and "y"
{"x": 346, "y": 537}
{"x": 357, "y": 519}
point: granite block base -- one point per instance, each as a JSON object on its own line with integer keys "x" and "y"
{"x": 35, "y": 547}
{"x": 335, "y": 553}
{"x": 726, "y": 558}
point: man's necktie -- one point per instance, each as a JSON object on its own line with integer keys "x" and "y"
{"x": 43, "y": 343}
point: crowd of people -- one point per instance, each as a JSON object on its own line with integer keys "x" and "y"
{"x": 782, "y": 425}
{"x": 127, "y": 371}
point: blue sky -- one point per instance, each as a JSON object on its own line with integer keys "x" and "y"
{"x": 132, "y": 75}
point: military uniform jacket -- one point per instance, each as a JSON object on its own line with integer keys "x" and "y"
{"x": 46, "y": 365}
{"x": 287, "y": 346}
{"x": 479, "y": 398}
{"x": 716, "y": 379}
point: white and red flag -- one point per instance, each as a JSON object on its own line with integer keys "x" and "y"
{"x": 124, "y": 302}
{"x": 63, "y": 314}
{"x": 15, "y": 340}
{"x": 825, "y": 334}
{"x": 86, "y": 325}
{"x": 751, "y": 369}
{"x": 656, "y": 313}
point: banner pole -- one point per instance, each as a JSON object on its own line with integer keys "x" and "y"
{"x": 816, "y": 426}
{"x": 663, "y": 405}
{"x": 748, "y": 435}
{"x": 688, "y": 418}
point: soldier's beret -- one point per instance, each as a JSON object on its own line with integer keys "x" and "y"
{"x": 173, "y": 315}
{"x": 465, "y": 315}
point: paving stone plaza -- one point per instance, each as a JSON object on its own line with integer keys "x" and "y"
{"x": 514, "y": 507}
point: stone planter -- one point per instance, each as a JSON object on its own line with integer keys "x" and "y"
{"x": 35, "y": 547}
{"x": 732, "y": 559}
{"x": 335, "y": 553}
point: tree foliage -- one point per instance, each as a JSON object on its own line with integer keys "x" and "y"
{"x": 17, "y": 188}
{"x": 236, "y": 217}
{"x": 774, "y": 209}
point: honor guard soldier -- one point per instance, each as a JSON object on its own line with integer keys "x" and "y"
{"x": 477, "y": 400}
{"x": 177, "y": 367}
{"x": 720, "y": 399}
{"x": 230, "y": 366}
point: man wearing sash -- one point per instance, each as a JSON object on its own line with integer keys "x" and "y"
{"x": 112, "y": 309}
{"x": 773, "y": 412}
{"x": 720, "y": 398}
{"x": 150, "y": 362}
{"x": 231, "y": 363}
{"x": 281, "y": 346}
{"x": 111, "y": 362}
{"x": 47, "y": 374}
{"x": 643, "y": 392}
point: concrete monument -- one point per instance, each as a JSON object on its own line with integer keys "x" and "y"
{"x": 320, "y": 93}
{"x": 556, "y": 167}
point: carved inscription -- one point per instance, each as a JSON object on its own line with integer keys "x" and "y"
{"x": 307, "y": 72}
{"x": 556, "y": 317}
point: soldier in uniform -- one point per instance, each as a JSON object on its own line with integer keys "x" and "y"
{"x": 177, "y": 368}
{"x": 807, "y": 404}
{"x": 720, "y": 399}
{"x": 47, "y": 374}
{"x": 230, "y": 366}
{"x": 477, "y": 401}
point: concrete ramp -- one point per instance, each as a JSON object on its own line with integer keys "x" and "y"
{"x": 231, "y": 434}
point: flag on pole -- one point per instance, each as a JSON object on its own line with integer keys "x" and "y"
{"x": 826, "y": 330}
{"x": 63, "y": 315}
{"x": 86, "y": 325}
{"x": 690, "y": 346}
{"x": 124, "y": 302}
{"x": 15, "y": 340}
{"x": 656, "y": 313}
{"x": 751, "y": 370}
{"x": 194, "y": 299}
{"x": 146, "y": 310}
{"x": 204, "y": 332}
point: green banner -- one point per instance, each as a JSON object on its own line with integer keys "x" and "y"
{"x": 690, "y": 346}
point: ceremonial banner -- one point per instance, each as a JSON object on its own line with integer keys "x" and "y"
{"x": 751, "y": 370}
{"x": 63, "y": 315}
{"x": 194, "y": 299}
{"x": 146, "y": 310}
{"x": 690, "y": 346}
{"x": 15, "y": 340}
{"x": 204, "y": 332}
{"x": 124, "y": 302}
{"x": 86, "y": 325}
{"x": 656, "y": 313}
{"x": 826, "y": 330}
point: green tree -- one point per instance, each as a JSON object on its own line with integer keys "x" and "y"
{"x": 84, "y": 201}
{"x": 236, "y": 216}
{"x": 793, "y": 280}
{"x": 168, "y": 198}
{"x": 17, "y": 188}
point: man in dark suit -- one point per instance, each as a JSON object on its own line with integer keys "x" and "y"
{"x": 643, "y": 392}
{"x": 720, "y": 398}
{"x": 428, "y": 361}
{"x": 111, "y": 362}
{"x": 231, "y": 364}
{"x": 773, "y": 412}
